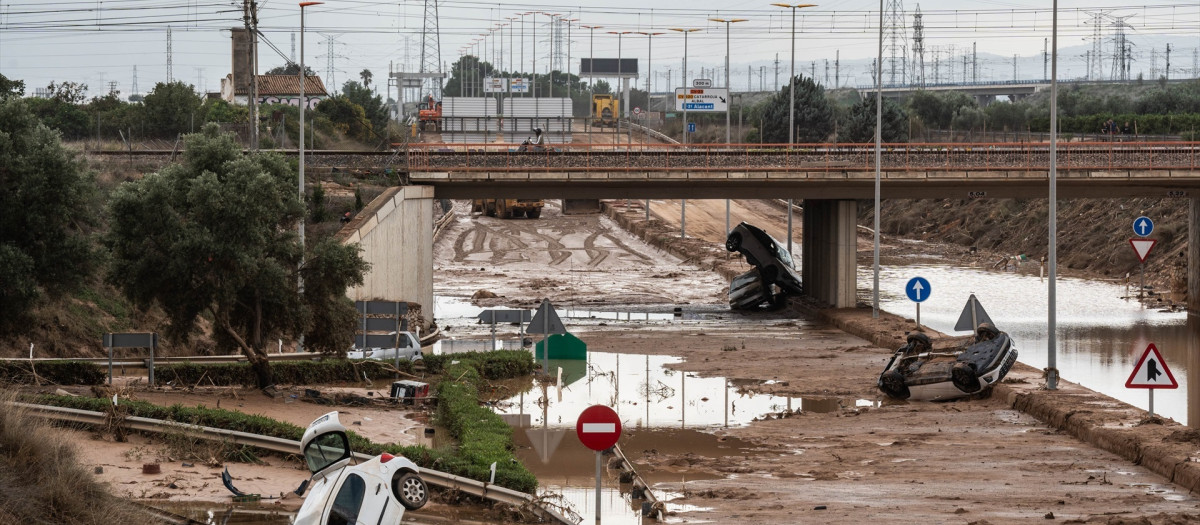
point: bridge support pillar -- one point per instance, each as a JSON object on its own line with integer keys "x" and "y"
{"x": 829, "y": 250}
{"x": 1193, "y": 258}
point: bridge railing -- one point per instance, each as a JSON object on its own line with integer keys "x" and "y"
{"x": 907, "y": 157}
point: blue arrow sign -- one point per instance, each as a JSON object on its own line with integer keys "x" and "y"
{"x": 691, "y": 127}
{"x": 917, "y": 289}
{"x": 1143, "y": 226}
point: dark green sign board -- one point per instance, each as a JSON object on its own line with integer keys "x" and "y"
{"x": 562, "y": 346}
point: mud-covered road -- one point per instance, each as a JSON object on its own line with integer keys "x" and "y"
{"x": 867, "y": 459}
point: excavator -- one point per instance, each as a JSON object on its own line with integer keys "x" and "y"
{"x": 430, "y": 112}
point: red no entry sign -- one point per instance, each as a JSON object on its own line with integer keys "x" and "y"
{"x": 598, "y": 427}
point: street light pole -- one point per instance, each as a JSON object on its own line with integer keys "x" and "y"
{"x": 728, "y": 88}
{"x": 1052, "y": 306}
{"x": 685, "y": 32}
{"x": 878, "y": 160}
{"x": 303, "y": 216}
{"x": 792, "y": 105}
{"x": 591, "y": 73}
{"x": 623, "y": 105}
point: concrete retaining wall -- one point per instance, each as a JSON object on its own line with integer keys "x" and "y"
{"x": 396, "y": 234}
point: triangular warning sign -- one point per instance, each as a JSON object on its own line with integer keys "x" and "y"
{"x": 545, "y": 441}
{"x": 965, "y": 318}
{"x": 1151, "y": 372}
{"x": 546, "y": 321}
{"x": 1142, "y": 247}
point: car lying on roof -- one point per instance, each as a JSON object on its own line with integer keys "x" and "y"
{"x": 773, "y": 268}
{"x": 375, "y": 491}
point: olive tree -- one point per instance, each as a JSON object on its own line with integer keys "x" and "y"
{"x": 216, "y": 237}
{"x": 45, "y": 205}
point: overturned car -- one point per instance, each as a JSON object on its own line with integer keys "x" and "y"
{"x": 375, "y": 491}
{"x": 774, "y": 274}
{"x": 918, "y": 373}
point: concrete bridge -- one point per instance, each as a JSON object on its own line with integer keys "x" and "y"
{"x": 829, "y": 178}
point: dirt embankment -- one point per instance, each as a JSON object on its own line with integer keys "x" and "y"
{"x": 1093, "y": 234}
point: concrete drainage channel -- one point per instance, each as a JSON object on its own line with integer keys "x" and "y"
{"x": 287, "y": 446}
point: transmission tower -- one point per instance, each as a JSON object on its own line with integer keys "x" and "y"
{"x": 974, "y": 64}
{"x": 558, "y": 55}
{"x": 1122, "y": 61}
{"x": 896, "y": 42}
{"x": 918, "y": 75}
{"x": 1167, "y": 70}
{"x": 135, "y": 86}
{"x": 329, "y": 56}
{"x": 431, "y": 50}
{"x": 1154, "y": 64}
{"x": 170, "y": 77}
{"x": 1096, "y": 68}
{"x": 293, "y": 47}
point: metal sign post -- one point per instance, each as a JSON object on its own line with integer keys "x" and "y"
{"x": 598, "y": 428}
{"x": 1142, "y": 248}
{"x": 131, "y": 340}
{"x": 918, "y": 290}
{"x": 1151, "y": 373}
{"x": 546, "y": 322}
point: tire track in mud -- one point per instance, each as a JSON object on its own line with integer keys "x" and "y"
{"x": 596, "y": 256}
{"x": 625, "y": 247}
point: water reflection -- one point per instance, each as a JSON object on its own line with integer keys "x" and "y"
{"x": 1100, "y": 335}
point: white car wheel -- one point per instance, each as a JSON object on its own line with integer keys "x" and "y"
{"x": 410, "y": 489}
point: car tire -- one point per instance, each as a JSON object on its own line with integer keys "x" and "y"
{"x": 733, "y": 242}
{"x": 770, "y": 275}
{"x": 534, "y": 213}
{"x": 411, "y": 490}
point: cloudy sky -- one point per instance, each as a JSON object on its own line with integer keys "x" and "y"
{"x": 103, "y": 41}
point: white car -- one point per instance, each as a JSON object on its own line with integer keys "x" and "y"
{"x": 410, "y": 350}
{"x": 375, "y": 491}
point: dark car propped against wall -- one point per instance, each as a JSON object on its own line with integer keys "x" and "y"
{"x": 773, "y": 267}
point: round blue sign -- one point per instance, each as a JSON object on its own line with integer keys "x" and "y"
{"x": 917, "y": 289}
{"x": 1143, "y": 226}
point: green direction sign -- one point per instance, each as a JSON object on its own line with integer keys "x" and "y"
{"x": 562, "y": 346}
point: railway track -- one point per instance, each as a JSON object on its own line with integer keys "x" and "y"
{"x": 720, "y": 157}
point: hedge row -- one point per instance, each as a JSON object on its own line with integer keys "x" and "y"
{"x": 59, "y": 372}
{"x": 284, "y": 372}
{"x": 501, "y": 364}
{"x": 1170, "y": 124}
{"x": 483, "y": 437}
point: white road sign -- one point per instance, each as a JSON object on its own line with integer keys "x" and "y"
{"x": 520, "y": 85}
{"x": 1151, "y": 372}
{"x": 713, "y": 100}
{"x": 495, "y": 85}
{"x": 701, "y": 82}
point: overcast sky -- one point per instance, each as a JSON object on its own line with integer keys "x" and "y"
{"x": 102, "y": 41}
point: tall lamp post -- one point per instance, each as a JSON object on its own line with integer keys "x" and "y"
{"x": 303, "y": 103}
{"x": 591, "y": 71}
{"x": 792, "y": 103}
{"x": 685, "y": 31}
{"x": 624, "y": 104}
{"x": 649, "y": 61}
{"x": 792, "y": 106}
{"x": 878, "y": 162}
{"x": 727, "y": 22}
{"x": 1052, "y": 304}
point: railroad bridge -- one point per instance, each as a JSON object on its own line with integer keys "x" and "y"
{"x": 829, "y": 178}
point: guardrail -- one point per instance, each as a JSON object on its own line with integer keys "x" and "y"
{"x": 611, "y": 158}
{"x": 433, "y": 477}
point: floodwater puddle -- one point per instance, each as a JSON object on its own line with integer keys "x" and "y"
{"x": 242, "y": 514}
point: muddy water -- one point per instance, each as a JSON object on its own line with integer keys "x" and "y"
{"x": 1100, "y": 335}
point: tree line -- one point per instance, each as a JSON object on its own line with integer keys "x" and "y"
{"x": 172, "y": 109}
{"x": 211, "y": 240}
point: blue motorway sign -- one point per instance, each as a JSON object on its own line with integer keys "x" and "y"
{"x": 1143, "y": 226}
{"x": 691, "y": 127}
{"x": 698, "y": 106}
{"x": 917, "y": 289}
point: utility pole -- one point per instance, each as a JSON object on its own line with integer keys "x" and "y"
{"x": 837, "y": 69}
{"x": 974, "y": 64}
{"x": 919, "y": 48}
{"x": 1167, "y": 71}
{"x": 1014, "y": 68}
{"x": 776, "y": 71}
{"x": 1045, "y": 57}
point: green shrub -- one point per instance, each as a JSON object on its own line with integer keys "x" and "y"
{"x": 285, "y": 372}
{"x": 58, "y": 372}
{"x": 501, "y": 364}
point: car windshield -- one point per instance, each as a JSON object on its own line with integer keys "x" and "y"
{"x": 326, "y": 450}
{"x": 784, "y": 256}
